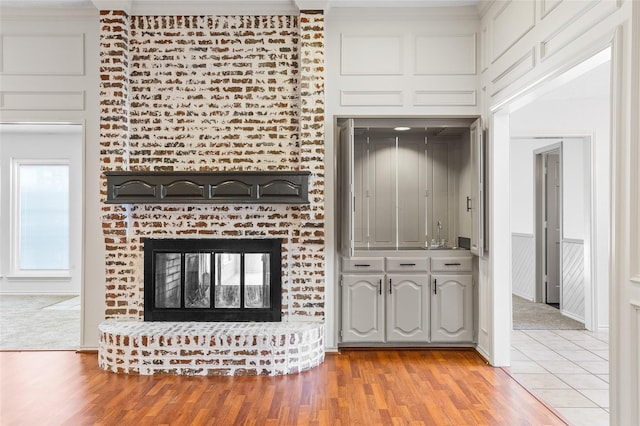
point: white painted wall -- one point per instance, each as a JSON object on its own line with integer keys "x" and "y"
{"x": 50, "y": 73}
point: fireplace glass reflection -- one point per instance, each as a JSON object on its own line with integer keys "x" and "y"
{"x": 256, "y": 280}
{"x": 168, "y": 272}
{"x": 197, "y": 280}
{"x": 228, "y": 280}
{"x": 230, "y": 270}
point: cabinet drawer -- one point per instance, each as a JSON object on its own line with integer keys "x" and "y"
{"x": 362, "y": 264}
{"x": 407, "y": 264}
{"x": 454, "y": 264}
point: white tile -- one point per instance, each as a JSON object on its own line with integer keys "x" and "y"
{"x": 526, "y": 347}
{"x": 544, "y": 355}
{"x": 570, "y": 334}
{"x": 543, "y": 335}
{"x": 593, "y": 345}
{"x": 583, "y": 381}
{"x": 541, "y": 381}
{"x": 585, "y": 416}
{"x": 595, "y": 367}
{"x": 604, "y": 377}
{"x": 519, "y": 336}
{"x": 567, "y": 367}
{"x": 579, "y": 355}
{"x": 564, "y": 345}
{"x": 604, "y": 354}
{"x": 558, "y": 398}
{"x": 599, "y": 396}
{"x": 601, "y": 335}
{"x": 525, "y": 367}
{"x": 516, "y": 355}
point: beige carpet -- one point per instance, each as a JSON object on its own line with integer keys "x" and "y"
{"x": 538, "y": 316}
{"x": 34, "y": 322}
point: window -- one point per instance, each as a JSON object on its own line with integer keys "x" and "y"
{"x": 42, "y": 216}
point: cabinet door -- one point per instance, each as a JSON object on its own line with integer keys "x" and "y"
{"x": 452, "y": 308}
{"x": 346, "y": 188}
{"x": 411, "y": 192}
{"x": 382, "y": 191}
{"x": 477, "y": 189}
{"x": 362, "y": 308}
{"x": 407, "y": 308}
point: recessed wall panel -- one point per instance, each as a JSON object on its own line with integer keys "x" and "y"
{"x": 547, "y": 6}
{"x": 47, "y": 54}
{"x": 370, "y": 98}
{"x": 585, "y": 14}
{"x": 42, "y": 101}
{"x": 511, "y": 23}
{"x": 445, "y": 55}
{"x": 444, "y": 98}
{"x": 514, "y": 71}
{"x": 371, "y": 55}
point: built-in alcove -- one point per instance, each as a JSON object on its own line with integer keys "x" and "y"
{"x": 407, "y": 183}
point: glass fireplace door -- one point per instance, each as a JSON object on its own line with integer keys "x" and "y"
{"x": 212, "y": 279}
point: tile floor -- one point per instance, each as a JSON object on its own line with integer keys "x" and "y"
{"x": 568, "y": 369}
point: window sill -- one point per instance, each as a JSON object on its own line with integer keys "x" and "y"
{"x": 38, "y": 277}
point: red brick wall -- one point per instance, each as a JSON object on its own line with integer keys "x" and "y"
{"x": 214, "y": 93}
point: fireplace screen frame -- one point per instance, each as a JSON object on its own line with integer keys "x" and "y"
{"x": 183, "y": 246}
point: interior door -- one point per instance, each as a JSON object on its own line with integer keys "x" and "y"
{"x": 347, "y": 187}
{"x": 552, "y": 228}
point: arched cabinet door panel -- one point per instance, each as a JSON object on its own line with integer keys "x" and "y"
{"x": 407, "y": 308}
{"x": 362, "y": 308}
{"x": 452, "y": 308}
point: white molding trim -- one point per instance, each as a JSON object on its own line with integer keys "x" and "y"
{"x": 200, "y": 7}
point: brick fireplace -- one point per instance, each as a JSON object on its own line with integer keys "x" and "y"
{"x": 213, "y": 93}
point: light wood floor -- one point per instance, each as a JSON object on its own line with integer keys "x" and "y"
{"x": 431, "y": 387}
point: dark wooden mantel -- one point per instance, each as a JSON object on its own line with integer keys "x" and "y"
{"x": 281, "y": 187}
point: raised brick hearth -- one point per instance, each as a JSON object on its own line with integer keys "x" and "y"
{"x": 210, "y": 349}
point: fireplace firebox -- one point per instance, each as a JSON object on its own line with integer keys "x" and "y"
{"x": 212, "y": 280}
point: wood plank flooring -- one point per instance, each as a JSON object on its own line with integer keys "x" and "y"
{"x": 387, "y": 387}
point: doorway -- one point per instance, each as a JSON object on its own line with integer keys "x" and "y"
{"x": 41, "y": 194}
{"x": 548, "y": 226}
{"x": 574, "y": 116}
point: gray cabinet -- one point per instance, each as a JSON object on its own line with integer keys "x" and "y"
{"x": 407, "y": 308}
{"x": 379, "y": 307}
{"x": 381, "y": 192}
{"x": 451, "y": 300}
{"x": 476, "y": 202}
{"x": 363, "y": 308}
{"x": 391, "y": 299}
